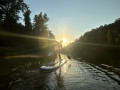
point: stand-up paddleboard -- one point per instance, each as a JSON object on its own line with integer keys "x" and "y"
{"x": 53, "y": 67}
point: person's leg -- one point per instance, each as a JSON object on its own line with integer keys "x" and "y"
{"x": 59, "y": 56}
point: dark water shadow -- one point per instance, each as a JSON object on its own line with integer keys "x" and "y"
{"x": 19, "y": 72}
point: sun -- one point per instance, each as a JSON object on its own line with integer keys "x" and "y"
{"x": 64, "y": 41}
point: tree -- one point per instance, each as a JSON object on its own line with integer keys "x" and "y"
{"x": 27, "y": 20}
{"x": 110, "y": 36}
{"x": 9, "y": 10}
{"x": 113, "y": 36}
{"x": 40, "y": 23}
{"x": 103, "y": 34}
{"x": 51, "y": 35}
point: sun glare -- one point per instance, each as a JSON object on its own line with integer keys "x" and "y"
{"x": 64, "y": 41}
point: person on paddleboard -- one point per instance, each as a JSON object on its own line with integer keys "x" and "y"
{"x": 58, "y": 48}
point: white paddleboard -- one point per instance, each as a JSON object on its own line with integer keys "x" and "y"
{"x": 57, "y": 65}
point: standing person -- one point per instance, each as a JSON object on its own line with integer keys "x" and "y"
{"x": 58, "y": 48}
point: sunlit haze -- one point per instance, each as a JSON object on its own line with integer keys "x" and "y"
{"x": 65, "y": 42}
{"x": 72, "y": 18}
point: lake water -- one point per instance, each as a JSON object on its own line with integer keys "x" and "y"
{"x": 23, "y": 73}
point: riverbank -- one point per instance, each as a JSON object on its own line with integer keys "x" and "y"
{"x": 96, "y": 53}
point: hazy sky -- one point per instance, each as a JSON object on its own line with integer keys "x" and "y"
{"x": 72, "y": 18}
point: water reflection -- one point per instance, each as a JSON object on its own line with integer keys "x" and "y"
{"x": 22, "y": 74}
{"x": 59, "y": 78}
{"x": 65, "y": 68}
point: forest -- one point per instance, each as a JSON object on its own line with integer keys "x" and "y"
{"x": 105, "y": 34}
{"x": 9, "y": 19}
{"x": 15, "y": 35}
{"x": 100, "y": 45}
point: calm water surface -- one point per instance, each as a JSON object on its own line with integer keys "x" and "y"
{"x": 21, "y": 73}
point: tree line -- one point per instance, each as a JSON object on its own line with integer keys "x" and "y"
{"x": 9, "y": 19}
{"x": 98, "y": 46}
{"x": 105, "y": 34}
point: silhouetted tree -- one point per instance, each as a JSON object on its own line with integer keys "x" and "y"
{"x": 51, "y": 35}
{"x": 103, "y": 34}
{"x": 40, "y": 23}
{"x": 9, "y": 10}
{"x": 27, "y": 20}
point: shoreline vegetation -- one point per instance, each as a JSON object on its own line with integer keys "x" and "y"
{"x": 100, "y": 45}
{"x": 16, "y": 38}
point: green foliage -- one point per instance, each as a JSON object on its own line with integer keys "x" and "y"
{"x": 113, "y": 36}
{"x": 104, "y": 34}
{"x": 109, "y": 36}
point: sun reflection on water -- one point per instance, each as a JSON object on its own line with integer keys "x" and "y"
{"x": 65, "y": 68}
